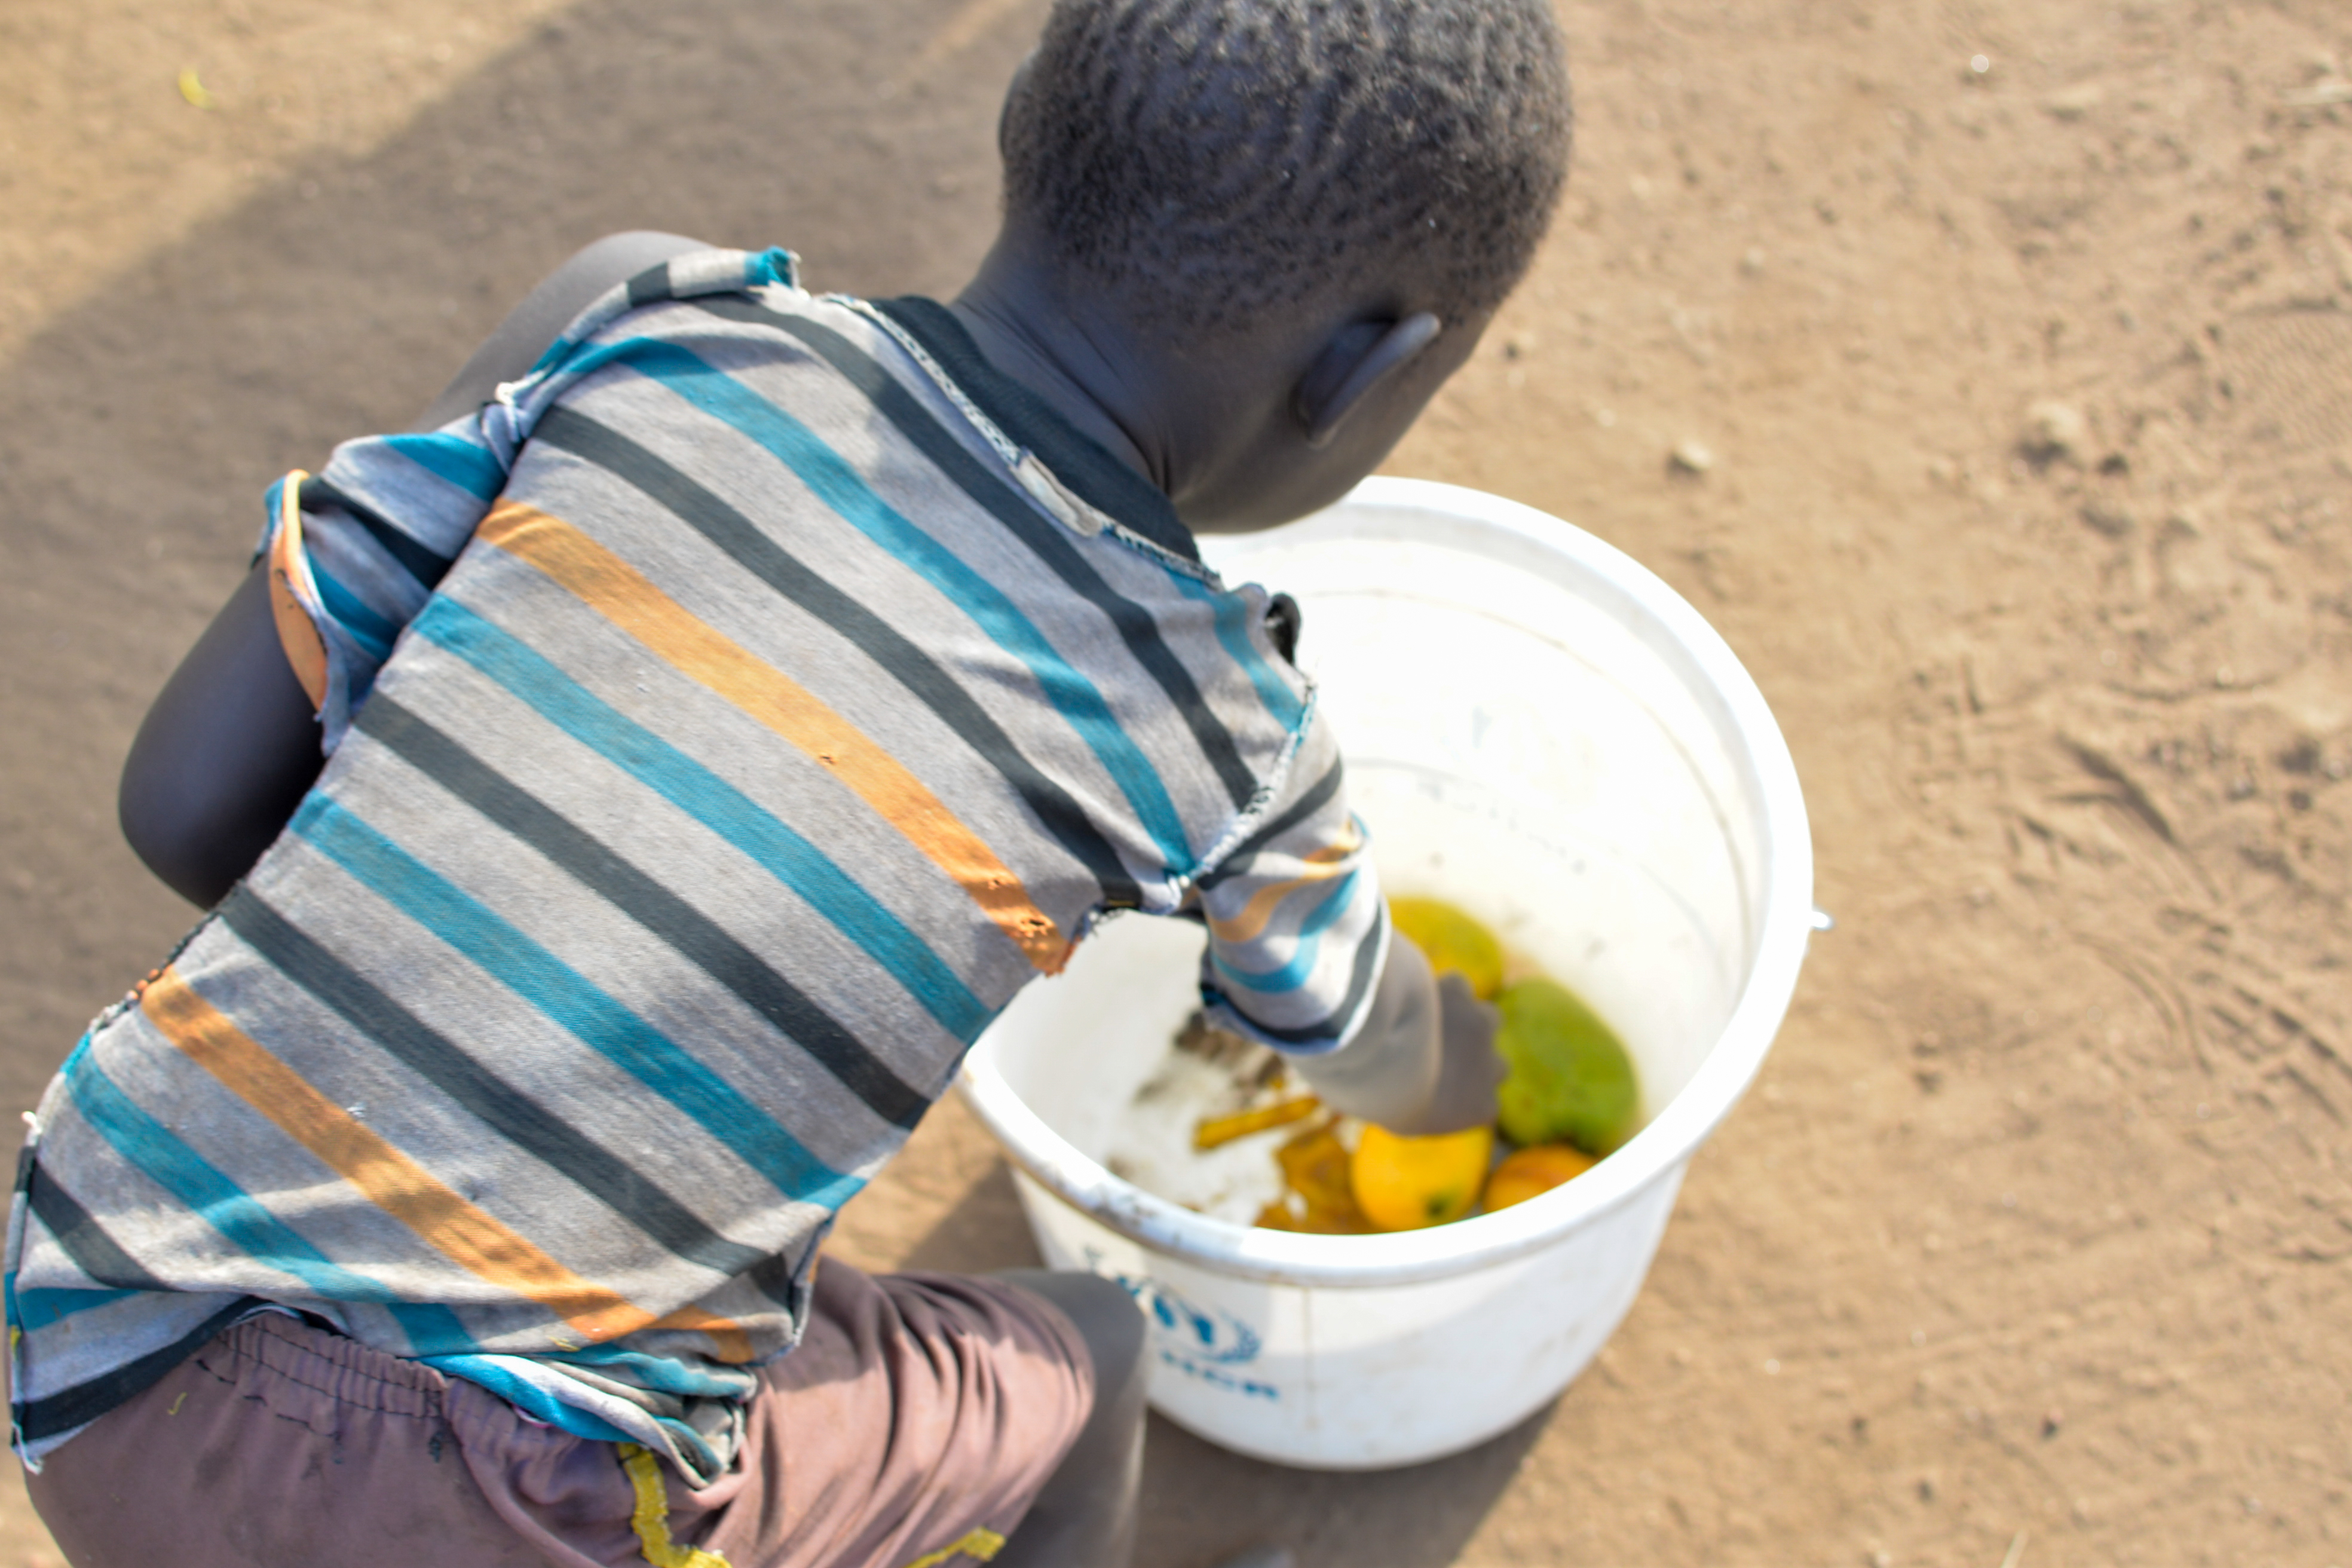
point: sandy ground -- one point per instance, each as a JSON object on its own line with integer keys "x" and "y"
{"x": 2017, "y": 336}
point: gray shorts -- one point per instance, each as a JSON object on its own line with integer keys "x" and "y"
{"x": 914, "y": 1423}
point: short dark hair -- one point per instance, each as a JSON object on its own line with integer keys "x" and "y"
{"x": 1217, "y": 160}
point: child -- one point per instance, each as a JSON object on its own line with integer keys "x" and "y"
{"x": 727, "y": 707}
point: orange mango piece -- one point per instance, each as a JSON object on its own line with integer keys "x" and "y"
{"x": 1528, "y": 1172}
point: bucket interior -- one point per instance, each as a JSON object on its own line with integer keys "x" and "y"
{"x": 1542, "y": 736}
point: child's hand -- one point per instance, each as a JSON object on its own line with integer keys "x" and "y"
{"x": 1469, "y": 1069}
{"x": 1424, "y": 1061}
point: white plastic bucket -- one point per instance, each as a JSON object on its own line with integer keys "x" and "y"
{"x": 1536, "y": 727}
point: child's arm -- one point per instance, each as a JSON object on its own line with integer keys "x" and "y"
{"x": 231, "y": 745}
{"x": 1424, "y": 1059}
{"x": 224, "y": 755}
{"x": 1303, "y": 957}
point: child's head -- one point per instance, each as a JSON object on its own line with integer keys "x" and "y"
{"x": 1265, "y": 231}
{"x": 1219, "y": 164}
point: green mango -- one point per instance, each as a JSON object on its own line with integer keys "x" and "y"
{"x": 1570, "y": 1078}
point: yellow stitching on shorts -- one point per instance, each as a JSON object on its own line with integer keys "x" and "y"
{"x": 981, "y": 1544}
{"x": 651, "y": 1519}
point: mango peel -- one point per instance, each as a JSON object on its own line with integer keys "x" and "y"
{"x": 1568, "y": 1077}
{"x": 1314, "y": 1172}
{"x": 1217, "y": 1132}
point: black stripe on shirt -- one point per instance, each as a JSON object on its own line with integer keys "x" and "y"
{"x": 86, "y": 1401}
{"x": 1298, "y": 811}
{"x": 82, "y": 1238}
{"x": 414, "y": 559}
{"x": 775, "y": 1276}
{"x": 496, "y": 1103}
{"x": 992, "y": 487}
{"x": 738, "y": 536}
{"x": 649, "y": 286}
{"x": 694, "y": 935}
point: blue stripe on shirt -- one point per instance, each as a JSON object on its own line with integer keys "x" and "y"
{"x": 370, "y": 630}
{"x": 773, "y": 265}
{"x": 1293, "y": 975}
{"x": 491, "y": 1372}
{"x": 839, "y": 485}
{"x": 710, "y": 800}
{"x": 570, "y": 999}
{"x": 698, "y": 1379}
{"x": 1233, "y": 634}
{"x": 452, "y": 459}
{"x": 200, "y": 1186}
{"x": 272, "y": 500}
{"x": 40, "y": 1308}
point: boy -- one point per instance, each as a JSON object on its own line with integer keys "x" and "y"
{"x": 726, "y": 707}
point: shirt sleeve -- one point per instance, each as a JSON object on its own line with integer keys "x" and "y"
{"x": 355, "y": 551}
{"x": 1297, "y": 929}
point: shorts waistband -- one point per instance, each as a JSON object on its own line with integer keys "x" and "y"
{"x": 334, "y": 1364}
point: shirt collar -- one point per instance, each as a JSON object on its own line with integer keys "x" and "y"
{"x": 1076, "y": 459}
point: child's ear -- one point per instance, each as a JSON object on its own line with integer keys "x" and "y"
{"x": 1359, "y": 358}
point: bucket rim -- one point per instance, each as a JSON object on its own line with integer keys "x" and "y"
{"x": 1660, "y": 1148}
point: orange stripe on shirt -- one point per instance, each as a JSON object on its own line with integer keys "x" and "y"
{"x": 291, "y": 591}
{"x": 623, "y": 595}
{"x": 1321, "y": 866}
{"x": 393, "y": 1180}
{"x": 733, "y": 1345}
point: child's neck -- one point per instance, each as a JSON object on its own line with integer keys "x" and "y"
{"x": 1087, "y": 372}
{"x": 1215, "y": 426}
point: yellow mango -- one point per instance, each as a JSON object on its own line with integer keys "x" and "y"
{"x": 1452, "y": 941}
{"x": 1404, "y": 1184}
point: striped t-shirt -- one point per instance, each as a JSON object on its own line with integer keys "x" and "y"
{"x": 726, "y": 721}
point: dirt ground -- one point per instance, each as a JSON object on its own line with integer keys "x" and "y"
{"x": 2016, "y": 338}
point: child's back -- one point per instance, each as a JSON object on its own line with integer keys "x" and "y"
{"x": 725, "y": 724}
{"x": 764, "y": 739}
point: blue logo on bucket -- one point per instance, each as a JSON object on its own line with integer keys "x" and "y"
{"x": 1200, "y": 1341}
